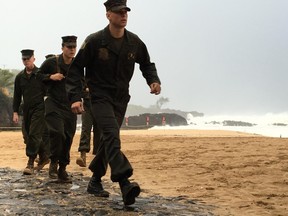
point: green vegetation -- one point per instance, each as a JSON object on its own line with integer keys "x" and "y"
{"x": 6, "y": 94}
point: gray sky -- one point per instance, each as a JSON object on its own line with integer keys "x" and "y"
{"x": 213, "y": 56}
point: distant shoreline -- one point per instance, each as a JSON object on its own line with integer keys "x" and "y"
{"x": 188, "y": 133}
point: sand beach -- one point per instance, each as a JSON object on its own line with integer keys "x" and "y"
{"x": 237, "y": 173}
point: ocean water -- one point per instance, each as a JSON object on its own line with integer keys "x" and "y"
{"x": 270, "y": 124}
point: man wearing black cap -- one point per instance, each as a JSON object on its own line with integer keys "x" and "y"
{"x": 29, "y": 86}
{"x": 109, "y": 57}
{"x": 60, "y": 120}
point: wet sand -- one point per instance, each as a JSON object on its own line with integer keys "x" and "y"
{"x": 238, "y": 173}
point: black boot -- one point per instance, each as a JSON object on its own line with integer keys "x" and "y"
{"x": 53, "y": 173}
{"x": 95, "y": 187}
{"x": 129, "y": 191}
{"x": 63, "y": 176}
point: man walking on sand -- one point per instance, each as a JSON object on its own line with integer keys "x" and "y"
{"x": 109, "y": 57}
{"x": 28, "y": 86}
{"x": 60, "y": 120}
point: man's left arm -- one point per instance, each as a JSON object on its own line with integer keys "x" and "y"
{"x": 148, "y": 69}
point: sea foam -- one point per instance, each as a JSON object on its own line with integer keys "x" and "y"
{"x": 270, "y": 124}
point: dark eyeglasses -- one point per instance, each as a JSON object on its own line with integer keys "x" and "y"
{"x": 24, "y": 59}
{"x": 71, "y": 47}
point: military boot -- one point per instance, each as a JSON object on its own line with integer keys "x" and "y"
{"x": 30, "y": 167}
{"x": 53, "y": 173}
{"x": 63, "y": 176}
{"x": 43, "y": 160}
{"x": 129, "y": 191}
{"x": 95, "y": 187}
{"x": 81, "y": 161}
{"x": 37, "y": 160}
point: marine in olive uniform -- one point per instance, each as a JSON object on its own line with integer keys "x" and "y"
{"x": 108, "y": 57}
{"x": 60, "y": 120}
{"x": 28, "y": 86}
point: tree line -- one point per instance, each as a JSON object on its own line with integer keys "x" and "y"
{"x": 6, "y": 97}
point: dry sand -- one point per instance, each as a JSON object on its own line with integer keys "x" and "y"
{"x": 240, "y": 174}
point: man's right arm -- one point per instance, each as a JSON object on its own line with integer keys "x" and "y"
{"x": 16, "y": 99}
{"x": 74, "y": 79}
{"x": 74, "y": 84}
{"x": 75, "y": 75}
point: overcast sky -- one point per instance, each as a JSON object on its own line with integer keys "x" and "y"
{"x": 212, "y": 56}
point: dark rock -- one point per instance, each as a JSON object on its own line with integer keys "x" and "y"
{"x": 237, "y": 123}
{"x": 133, "y": 110}
{"x": 213, "y": 122}
{"x": 38, "y": 195}
{"x": 279, "y": 124}
{"x": 147, "y": 120}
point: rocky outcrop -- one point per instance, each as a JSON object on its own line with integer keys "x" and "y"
{"x": 39, "y": 195}
{"x": 280, "y": 124}
{"x": 134, "y": 110}
{"x": 147, "y": 120}
{"x": 237, "y": 123}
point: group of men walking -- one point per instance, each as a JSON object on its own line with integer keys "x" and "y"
{"x": 51, "y": 116}
{"x": 102, "y": 69}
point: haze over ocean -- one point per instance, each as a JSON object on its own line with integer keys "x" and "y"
{"x": 270, "y": 124}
